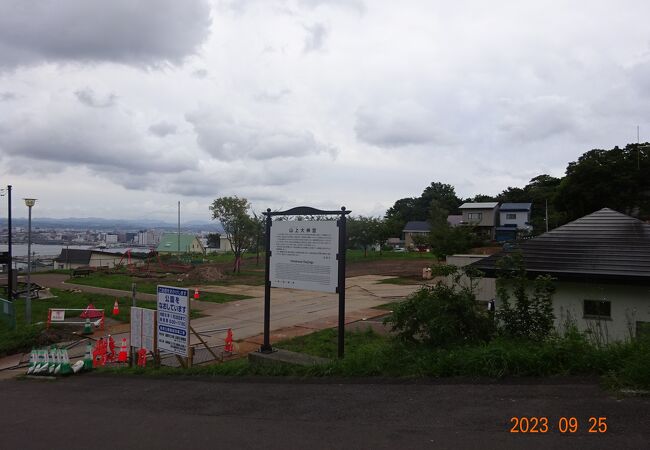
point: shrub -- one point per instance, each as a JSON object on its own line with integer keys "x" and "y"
{"x": 529, "y": 316}
{"x": 441, "y": 315}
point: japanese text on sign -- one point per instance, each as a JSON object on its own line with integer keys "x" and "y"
{"x": 303, "y": 255}
{"x": 173, "y": 320}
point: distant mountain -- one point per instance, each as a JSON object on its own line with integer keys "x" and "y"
{"x": 96, "y": 223}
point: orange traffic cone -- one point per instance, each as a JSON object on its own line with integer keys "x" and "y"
{"x": 142, "y": 357}
{"x": 228, "y": 346}
{"x": 116, "y": 308}
{"x": 99, "y": 353}
{"x": 124, "y": 353}
{"x": 196, "y": 293}
{"x": 110, "y": 357}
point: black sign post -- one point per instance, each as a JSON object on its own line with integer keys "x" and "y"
{"x": 306, "y": 211}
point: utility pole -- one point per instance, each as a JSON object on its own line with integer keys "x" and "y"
{"x": 179, "y": 230}
{"x": 638, "y": 150}
{"x": 546, "y": 214}
{"x": 10, "y": 270}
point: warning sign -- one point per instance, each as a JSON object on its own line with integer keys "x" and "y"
{"x": 173, "y": 320}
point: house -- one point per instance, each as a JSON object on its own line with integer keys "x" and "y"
{"x": 601, "y": 266}
{"x": 188, "y": 244}
{"x": 74, "y": 258}
{"x": 482, "y": 216}
{"x": 415, "y": 228}
{"x": 222, "y": 247}
{"x": 514, "y": 221}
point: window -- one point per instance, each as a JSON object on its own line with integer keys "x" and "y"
{"x": 475, "y": 216}
{"x": 597, "y": 309}
{"x": 511, "y": 216}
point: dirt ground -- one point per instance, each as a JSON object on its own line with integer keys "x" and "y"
{"x": 221, "y": 272}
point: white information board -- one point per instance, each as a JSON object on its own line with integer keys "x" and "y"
{"x": 303, "y": 255}
{"x": 174, "y": 320}
{"x": 143, "y": 328}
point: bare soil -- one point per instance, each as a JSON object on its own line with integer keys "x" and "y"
{"x": 405, "y": 267}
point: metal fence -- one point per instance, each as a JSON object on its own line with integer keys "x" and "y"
{"x": 8, "y": 313}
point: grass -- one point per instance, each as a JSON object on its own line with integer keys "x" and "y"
{"x": 623, "y": 365}
{"x": 123, "y": 282}
{"x": 24, "y": 336}
{"x": 388, "y": 306}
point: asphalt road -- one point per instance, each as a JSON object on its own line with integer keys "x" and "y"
{"x": 103, "y": 412}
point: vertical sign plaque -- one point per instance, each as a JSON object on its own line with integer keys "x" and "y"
{"x": 303, "y": 255}
{"x": 174, "y": 320}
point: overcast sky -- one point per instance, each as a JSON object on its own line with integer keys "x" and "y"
{"x": 120, "y": 108}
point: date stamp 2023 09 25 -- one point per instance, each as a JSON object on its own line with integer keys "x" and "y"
{"x": 542, "y": 424}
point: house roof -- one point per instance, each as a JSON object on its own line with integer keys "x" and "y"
{"x": 604, "y": 245}
{"x": 515, "y": 207}
{"x": 417, "y": 225}
{"x": 479, "y": 205}
{"x": 82, "y": 256}
{"x": 74, "y": 256}
{"x": 169, "y": 242}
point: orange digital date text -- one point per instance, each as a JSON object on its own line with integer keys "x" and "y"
{"x": 542, "y": 424}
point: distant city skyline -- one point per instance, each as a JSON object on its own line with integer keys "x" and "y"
{"x": 306, "y": 102}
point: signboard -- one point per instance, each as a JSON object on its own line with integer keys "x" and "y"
{"x": 143, "y": 328}
{"x": 57, "y": 315}
{"x": 303, "y": 255}
{"x": 173, "y": 320}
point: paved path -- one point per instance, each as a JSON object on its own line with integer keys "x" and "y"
{"x": 146, "y": 413}
{"x": 293, "y": 312}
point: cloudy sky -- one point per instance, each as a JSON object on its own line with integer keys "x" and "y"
{"x": 121, "y": 108}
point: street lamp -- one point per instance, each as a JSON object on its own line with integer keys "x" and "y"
{"x": 29, "y": 202}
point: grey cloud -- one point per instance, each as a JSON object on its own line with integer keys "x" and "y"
{"x": 229, "y": 140}
{"x": 639, "y": 76}
{"x": 87, "y": 97}
{"x": 200, "y": 74}
{"x": 6, "y": 96}
{"x": 101, "y": 142}
{"x": 272, "y": 96}
{"x": 398, "y": 125}
{"x": 162, "y": 129}
{"x": 540, "y": 118}
{"x": 122, "y": 31}
{"x": 357, "y": 5}
{"x": 315, "y": 39}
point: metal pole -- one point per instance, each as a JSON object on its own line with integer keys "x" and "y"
{"x": 133, "y": 291}
{"x": 28, "y": 297}
{"x": 179, "y": 230}
{"x": 546, "y": 215}
{"x": 341, "y": 282}
{"x": 266, "y": 347}
{"x": 10, "y": 270}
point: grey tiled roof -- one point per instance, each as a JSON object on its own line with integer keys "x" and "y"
{"x": 515, "y": 207}
{"x": 417, "y": 225}
{"x": 604, "y": 245}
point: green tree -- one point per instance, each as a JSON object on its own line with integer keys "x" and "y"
{"x": 446, "y": 240}
{"x": 398, "y": 214}
{"x": 616, "y": 178}
{"x": 443, "y": 194}
{"x": 442, "y": 315}
{"x": 237, "y": 224}
{"x": 530, "y": 315}
{"x": 364, "y": 232}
